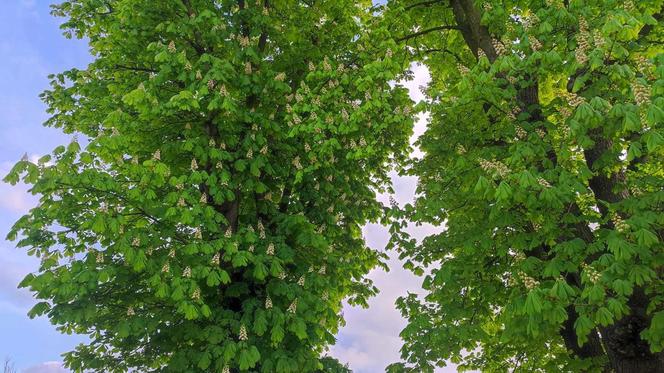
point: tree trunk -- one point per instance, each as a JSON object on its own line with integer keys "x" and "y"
{"x": 627, "y": 351}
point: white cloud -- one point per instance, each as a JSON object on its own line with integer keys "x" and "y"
{"x": 421, "y": 78}
{"x": 15, "y": 198}
{"x": 47, "y": 367}
{"x": 370, "y": 340}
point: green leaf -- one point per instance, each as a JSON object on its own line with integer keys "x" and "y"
{"x": 603, "y": 316}
{"x": 533, "y": 304}
{"x": 646, "y": 238}
{"x": 260, "y": 325}
{"x": 277, "y": 335}
{"x": 583, "y": 325}
{"x": 204, "y": 361}
{"x": 260, "y": 271}
{"x": 299, "y": 328}
{"x": 39, "y": 309}
{"x": 240, "y": 260}
{"x": 503, "y": 192}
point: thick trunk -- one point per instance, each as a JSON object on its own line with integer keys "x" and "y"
{"x": 591, "y": 349}
{"x": 627, "y": 351}
{"x": 652, "y": 365}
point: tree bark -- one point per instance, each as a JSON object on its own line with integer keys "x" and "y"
{"x": 627, "y": 351}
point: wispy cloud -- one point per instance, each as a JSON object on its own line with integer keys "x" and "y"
{"x": 47, "y": 367}
{"x": 15, "y": 199}
{"x": 370, "y": 340}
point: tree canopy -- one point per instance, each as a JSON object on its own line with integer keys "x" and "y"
{"x": 209, "y": 215}
{"x": 543, "y": 162}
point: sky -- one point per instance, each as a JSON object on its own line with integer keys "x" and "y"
{"x": 32, "y": 47}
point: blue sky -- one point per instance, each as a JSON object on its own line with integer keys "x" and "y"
{"x": 32, "y": 47}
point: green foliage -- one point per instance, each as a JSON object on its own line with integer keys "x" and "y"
{"x": 210, "y": 218}
{"x": 543, "y": 163}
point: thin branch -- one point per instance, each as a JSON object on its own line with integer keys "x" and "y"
{"x": 422, "y": 3}
{"x": 136, "y": 68}
{"x": 435, "y": 50}
{"x": 423, "y": 32}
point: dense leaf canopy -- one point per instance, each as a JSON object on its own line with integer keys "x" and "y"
{"x": 544, "y": 164}
{"x": 209, "y": 216}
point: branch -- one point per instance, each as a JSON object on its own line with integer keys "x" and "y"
{"x": 422, "y": 3}
{"x": 435, "y": 50}
{"x": 645, "y": 30}
{"x": 420, "y": 33}
{"x": 136, "y": 68}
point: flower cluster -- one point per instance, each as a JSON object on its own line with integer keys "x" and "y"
{"x": 512, "y": 114}
{"x": 243, "y": 333}
{"x": 565, "y": 112}
{"x": 293, "y": 307}
{"x": 268, "y": 303}
{"x": 494, "y": 166}
{"x": 592, "y": 274}
{"x": 628, "y": 5}
{"x": 521, "y": 133}
{"x": 641, "y": 93}
{"x": 296, "y": 163}
{"x": 530, "y": 21}
{"x": 529, "y": 282}
{"x": 573, "y": 99}
{"x": 619, "y": 223}
{"x": 534, "y": 43}
{"x": 499, "y": 47}
{"x": 643, "y": 64}
{"x": 581, "y": 52}
{"x": 541, "y": 181}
